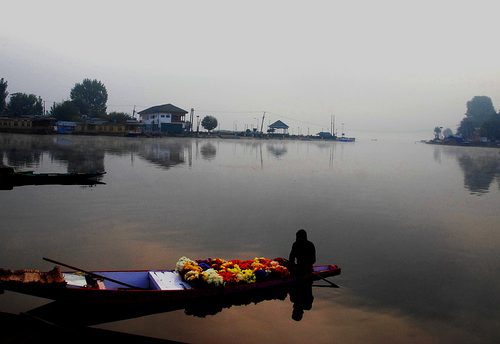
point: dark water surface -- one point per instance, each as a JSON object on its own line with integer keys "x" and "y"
{"x": 415, "y": 228}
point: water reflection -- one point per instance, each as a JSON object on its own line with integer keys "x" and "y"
{"x": 481, "y": 167}
{"x": 23, "y": 329}
{"x": 277, "y": 149}
{"x": 208, "y": 151}
{"x": 77, "y": 315}
{"x": 86, "y": 154}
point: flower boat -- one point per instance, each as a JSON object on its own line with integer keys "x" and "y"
{"x": 191, "y": 280}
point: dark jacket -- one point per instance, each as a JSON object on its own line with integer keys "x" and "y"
{"x": 303, "y": 253}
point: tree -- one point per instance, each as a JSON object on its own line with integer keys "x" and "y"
{"x": 437, "y": 133}
{"x": 65, "y": 111}
{"x": 22, "y": 104}
{"x": 466, "y": 129}
{"x": 491, "y": 128}
{"x": 119, "y": 117}
{"x": 209, "y": 123}
{"x": 3, "y": 95}
{"x": 90, "y": 97}
{"x": 447, "y": 133}
{"x": 479, "y": 110}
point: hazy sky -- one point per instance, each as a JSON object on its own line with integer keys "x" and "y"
{"x": 375, "y": 65}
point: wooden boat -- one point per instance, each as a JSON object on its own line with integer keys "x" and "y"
{"x": 10, "y": 177}
{"x": 144, "y": 287}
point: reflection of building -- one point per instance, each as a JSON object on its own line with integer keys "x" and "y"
{"x": 35, "y": 125}
{"x": 277, "y": 150}
{"x": 165, "y": 154}
{"x": 165, "y": 118}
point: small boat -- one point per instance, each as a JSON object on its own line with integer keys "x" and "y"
{"x": 138, "y": 287}
{"x": 10, "y": 177}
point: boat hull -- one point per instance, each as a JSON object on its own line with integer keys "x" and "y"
{"x": 62, "y": 292}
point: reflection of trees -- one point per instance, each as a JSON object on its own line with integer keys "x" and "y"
{"x": 479, "y": 172}
{"x": 208, "y": 151}
{"x": 480, "y": 167}
{"x": 277, "y": 150}
{"x": 85, "y": 153}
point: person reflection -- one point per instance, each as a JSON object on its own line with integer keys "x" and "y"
{"x": 301, "y": 260}
{"x": 302, "y": 298}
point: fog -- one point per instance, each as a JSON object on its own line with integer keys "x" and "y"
{"x": 385, "y": 66}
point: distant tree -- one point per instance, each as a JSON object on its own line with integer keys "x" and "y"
{"x": 447, "y": 133}
{"x": 90, "y": 97}
{"x": 119, "y": 117}
{"x": 491, "y": 128}
{"x": 479, "y": 110}
{"x": 22, "y": 104}
{"x": 3, "y": 95}
{"x": 65, "y": 111}
{"x": 466, "y": 129}
{"x": 209, "y": 123}
{"x": 437, "y": 132}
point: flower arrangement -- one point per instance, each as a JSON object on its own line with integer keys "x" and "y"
{"x": 217, "y": 271}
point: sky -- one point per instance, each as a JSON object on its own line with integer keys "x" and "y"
{"x": 376, "y": 66}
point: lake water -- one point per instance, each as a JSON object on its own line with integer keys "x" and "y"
{"x": 414, "y": 227}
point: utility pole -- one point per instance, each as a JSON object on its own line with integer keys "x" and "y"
{"x": 191, "y": 118}
{"x": 262, "y": 124}
{"x": 133, "y": 113}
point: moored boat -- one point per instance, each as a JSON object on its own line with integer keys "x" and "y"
{"x": 18, "y": 178}
{"x": 145, "y": 287}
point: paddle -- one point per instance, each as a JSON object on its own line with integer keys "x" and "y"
{"x": 331, "y": 283}
{"x": 92, "y": 274}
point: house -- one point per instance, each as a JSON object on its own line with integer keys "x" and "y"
{"x": 278, "y": 125}
{"x": 166, "y": 118}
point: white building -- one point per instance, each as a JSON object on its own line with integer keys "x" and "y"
{"x": 165, "y": 118}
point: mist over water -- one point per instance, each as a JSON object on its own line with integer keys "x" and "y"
{"x": 414, "y": 228}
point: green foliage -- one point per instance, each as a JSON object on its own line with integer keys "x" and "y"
{"x": 3, "y": 95}
{"x": 209, "y": 123}
{"x": 65, "y": 111}
{"x": 119, "y": 117}
{"x": 90, "y": 97}
{"x": 491, "y": 128}
{"x": 479, "y": 110}
{"x": 22, "y": 104}
{"x": 437, "y": 132}
{"x": 466, "y": 129}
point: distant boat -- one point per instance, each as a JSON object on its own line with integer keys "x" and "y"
{"x": 345, "y": 139}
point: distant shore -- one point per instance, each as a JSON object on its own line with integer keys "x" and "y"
{"x": 464, "y": 144}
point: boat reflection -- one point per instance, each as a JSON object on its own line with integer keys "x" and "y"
{"x": 25, "y": 329}
{"x": 71, "y": 314}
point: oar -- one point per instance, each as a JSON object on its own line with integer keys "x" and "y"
{"x": 331, "y": 283}
{"x": 92, "y": 274}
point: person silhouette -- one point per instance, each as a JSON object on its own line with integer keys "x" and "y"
{"x": 303, "y": 255}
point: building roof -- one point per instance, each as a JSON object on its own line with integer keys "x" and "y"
{"x": 278, "y": 125}
{"x": 165, "y": 108}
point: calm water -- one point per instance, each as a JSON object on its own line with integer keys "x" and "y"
{"x": 414, "y": 227}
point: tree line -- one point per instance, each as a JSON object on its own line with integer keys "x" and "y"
{"x": 87, "y": 100}
{"x": 480, "y": 120}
